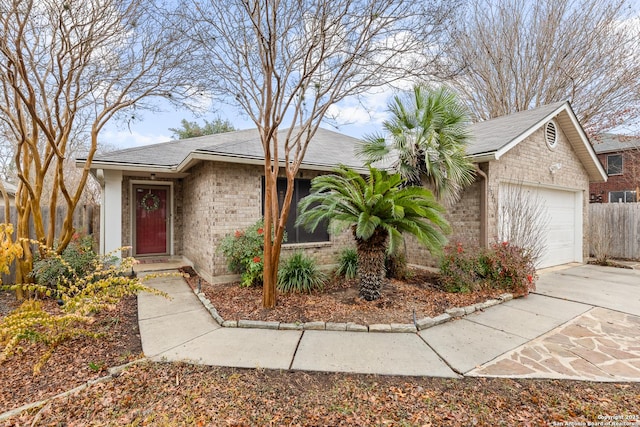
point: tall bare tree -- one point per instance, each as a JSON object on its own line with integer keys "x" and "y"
{"x": 285, "y": 62}
{"x": 66, "y": 69}
{"x": 520, "y": 54}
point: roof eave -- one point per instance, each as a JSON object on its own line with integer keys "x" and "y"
{"x": 585, "y": 151}
{"x": 483, "y": 157}
{"x": 197, "y": 156}
{"x": 596, "y": 171}
{"x": 132, "y": 167}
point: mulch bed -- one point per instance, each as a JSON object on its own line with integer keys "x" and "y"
{"x": 74, "y": 362}
{"x": 419, "y": 295}
{"x": 184, "y": 394}
{"x": 157, "y": 394}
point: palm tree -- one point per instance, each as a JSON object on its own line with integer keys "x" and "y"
{"x": 378, "y": 209}
{"x": 427, "y": 135}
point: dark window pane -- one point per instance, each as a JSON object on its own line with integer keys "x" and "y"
{"x": 630, "y": 197}
{"x": 616, "y": 196}
{"x": 614, "y": 164}
{"x": 297, "y": 234}
{"x": 320, "y": 234}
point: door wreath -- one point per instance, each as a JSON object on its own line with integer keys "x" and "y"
{"x": 150, "y": 202}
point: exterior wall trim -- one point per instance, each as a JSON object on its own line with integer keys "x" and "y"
{"x": 111, "y": 226}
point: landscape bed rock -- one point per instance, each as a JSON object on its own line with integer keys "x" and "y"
{"x": 420, "y": 324}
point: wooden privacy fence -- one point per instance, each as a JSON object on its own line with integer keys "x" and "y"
{"x": 86, "y": 220}
{"x": 615, "y": 226}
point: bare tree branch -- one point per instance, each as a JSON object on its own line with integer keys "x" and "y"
{"x": 521, "y": 54}
{"x": 285, "y": 62}
{"x": 66, "y": 69}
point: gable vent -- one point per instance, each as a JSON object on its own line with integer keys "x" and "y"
{"x": 551, "y": 134}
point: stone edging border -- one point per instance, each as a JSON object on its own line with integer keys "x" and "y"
{"x": 418, "y": 325}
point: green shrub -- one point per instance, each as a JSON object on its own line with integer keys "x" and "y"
{"x": 348, "y": 263}
{"x": 78, "y": 259}
{"x": 241, "y": 247}
{"x": 502, "y": 266}
{"x": 459, "y": 269}
{"x": 81, "y": 295}
{"x": 300, "y": 273}
{"x": 244, "y": 251}
{"x": 396, "y": 266}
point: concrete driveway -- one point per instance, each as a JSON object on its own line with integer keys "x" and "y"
{"x": 601, "y": 344}
{"x": 582, "y": 323}
{"x": 608, "y": 287}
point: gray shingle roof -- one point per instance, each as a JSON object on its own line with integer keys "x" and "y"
{"x": 492, "y": 135}
{"x": 610, "y": 142}
{"x": 490, "y": 140}
{"x": 328, "y": 148}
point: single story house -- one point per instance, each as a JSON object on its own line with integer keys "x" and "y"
{"x": 620, "y": 156}
{"x": 180, "y": 198}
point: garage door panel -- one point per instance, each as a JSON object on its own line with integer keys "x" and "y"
{"x": 562, "y": 232}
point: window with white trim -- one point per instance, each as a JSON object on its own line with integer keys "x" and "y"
{"x": 622, "y": 197}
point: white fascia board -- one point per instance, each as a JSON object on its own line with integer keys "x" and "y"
{"x": 585, "y": 140}
{"x": 129, "y": 167}
{"x": 483, "y": 157}
{"x": 505, "y": 149}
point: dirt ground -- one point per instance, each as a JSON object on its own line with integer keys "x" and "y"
{"x": 419, "y": 296}
{"x": 74, "y": 362}
{"x": 163, "y": 394}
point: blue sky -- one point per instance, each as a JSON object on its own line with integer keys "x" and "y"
{"x": 352, "y": 119}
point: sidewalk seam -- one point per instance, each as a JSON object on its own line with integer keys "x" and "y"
{"x": 440, "y": 357}
{"x": 183, "y": 343}
{"x": 295, "y": 352}
{"x": 168, "y": 314}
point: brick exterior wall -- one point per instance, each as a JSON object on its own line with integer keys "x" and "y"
{"x": 628, "y": 181}
{"x": 220, "y": 198}
{"x": 464, "y": 217}
{"x": 527, "y": 163}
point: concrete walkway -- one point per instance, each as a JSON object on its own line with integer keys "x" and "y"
{"x": 582, "y": 323}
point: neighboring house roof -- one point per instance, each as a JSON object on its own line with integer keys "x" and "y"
{"x": 326, "y": 150}
{"x": 493, "y": 138}
{"x": 10, "y": 188}
{"x": 613, "y": 143}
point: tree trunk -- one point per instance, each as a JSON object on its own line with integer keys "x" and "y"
{"x": 371, "y": 271}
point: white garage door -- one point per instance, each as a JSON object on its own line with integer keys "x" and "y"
{"x": 563, "y": 223}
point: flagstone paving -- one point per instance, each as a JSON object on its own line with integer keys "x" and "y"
{"x": 599, "y": 345}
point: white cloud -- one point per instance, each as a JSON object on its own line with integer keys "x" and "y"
{"x": 120, "y": 139}
{"x": 369, "y": 109}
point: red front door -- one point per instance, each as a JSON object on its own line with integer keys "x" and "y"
{"x": 151, "y": 221}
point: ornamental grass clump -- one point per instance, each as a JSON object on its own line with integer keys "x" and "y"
{"x": 300, "y": 273}
{"x": 502, "y": 266}
{"x": 348, "y": 263}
